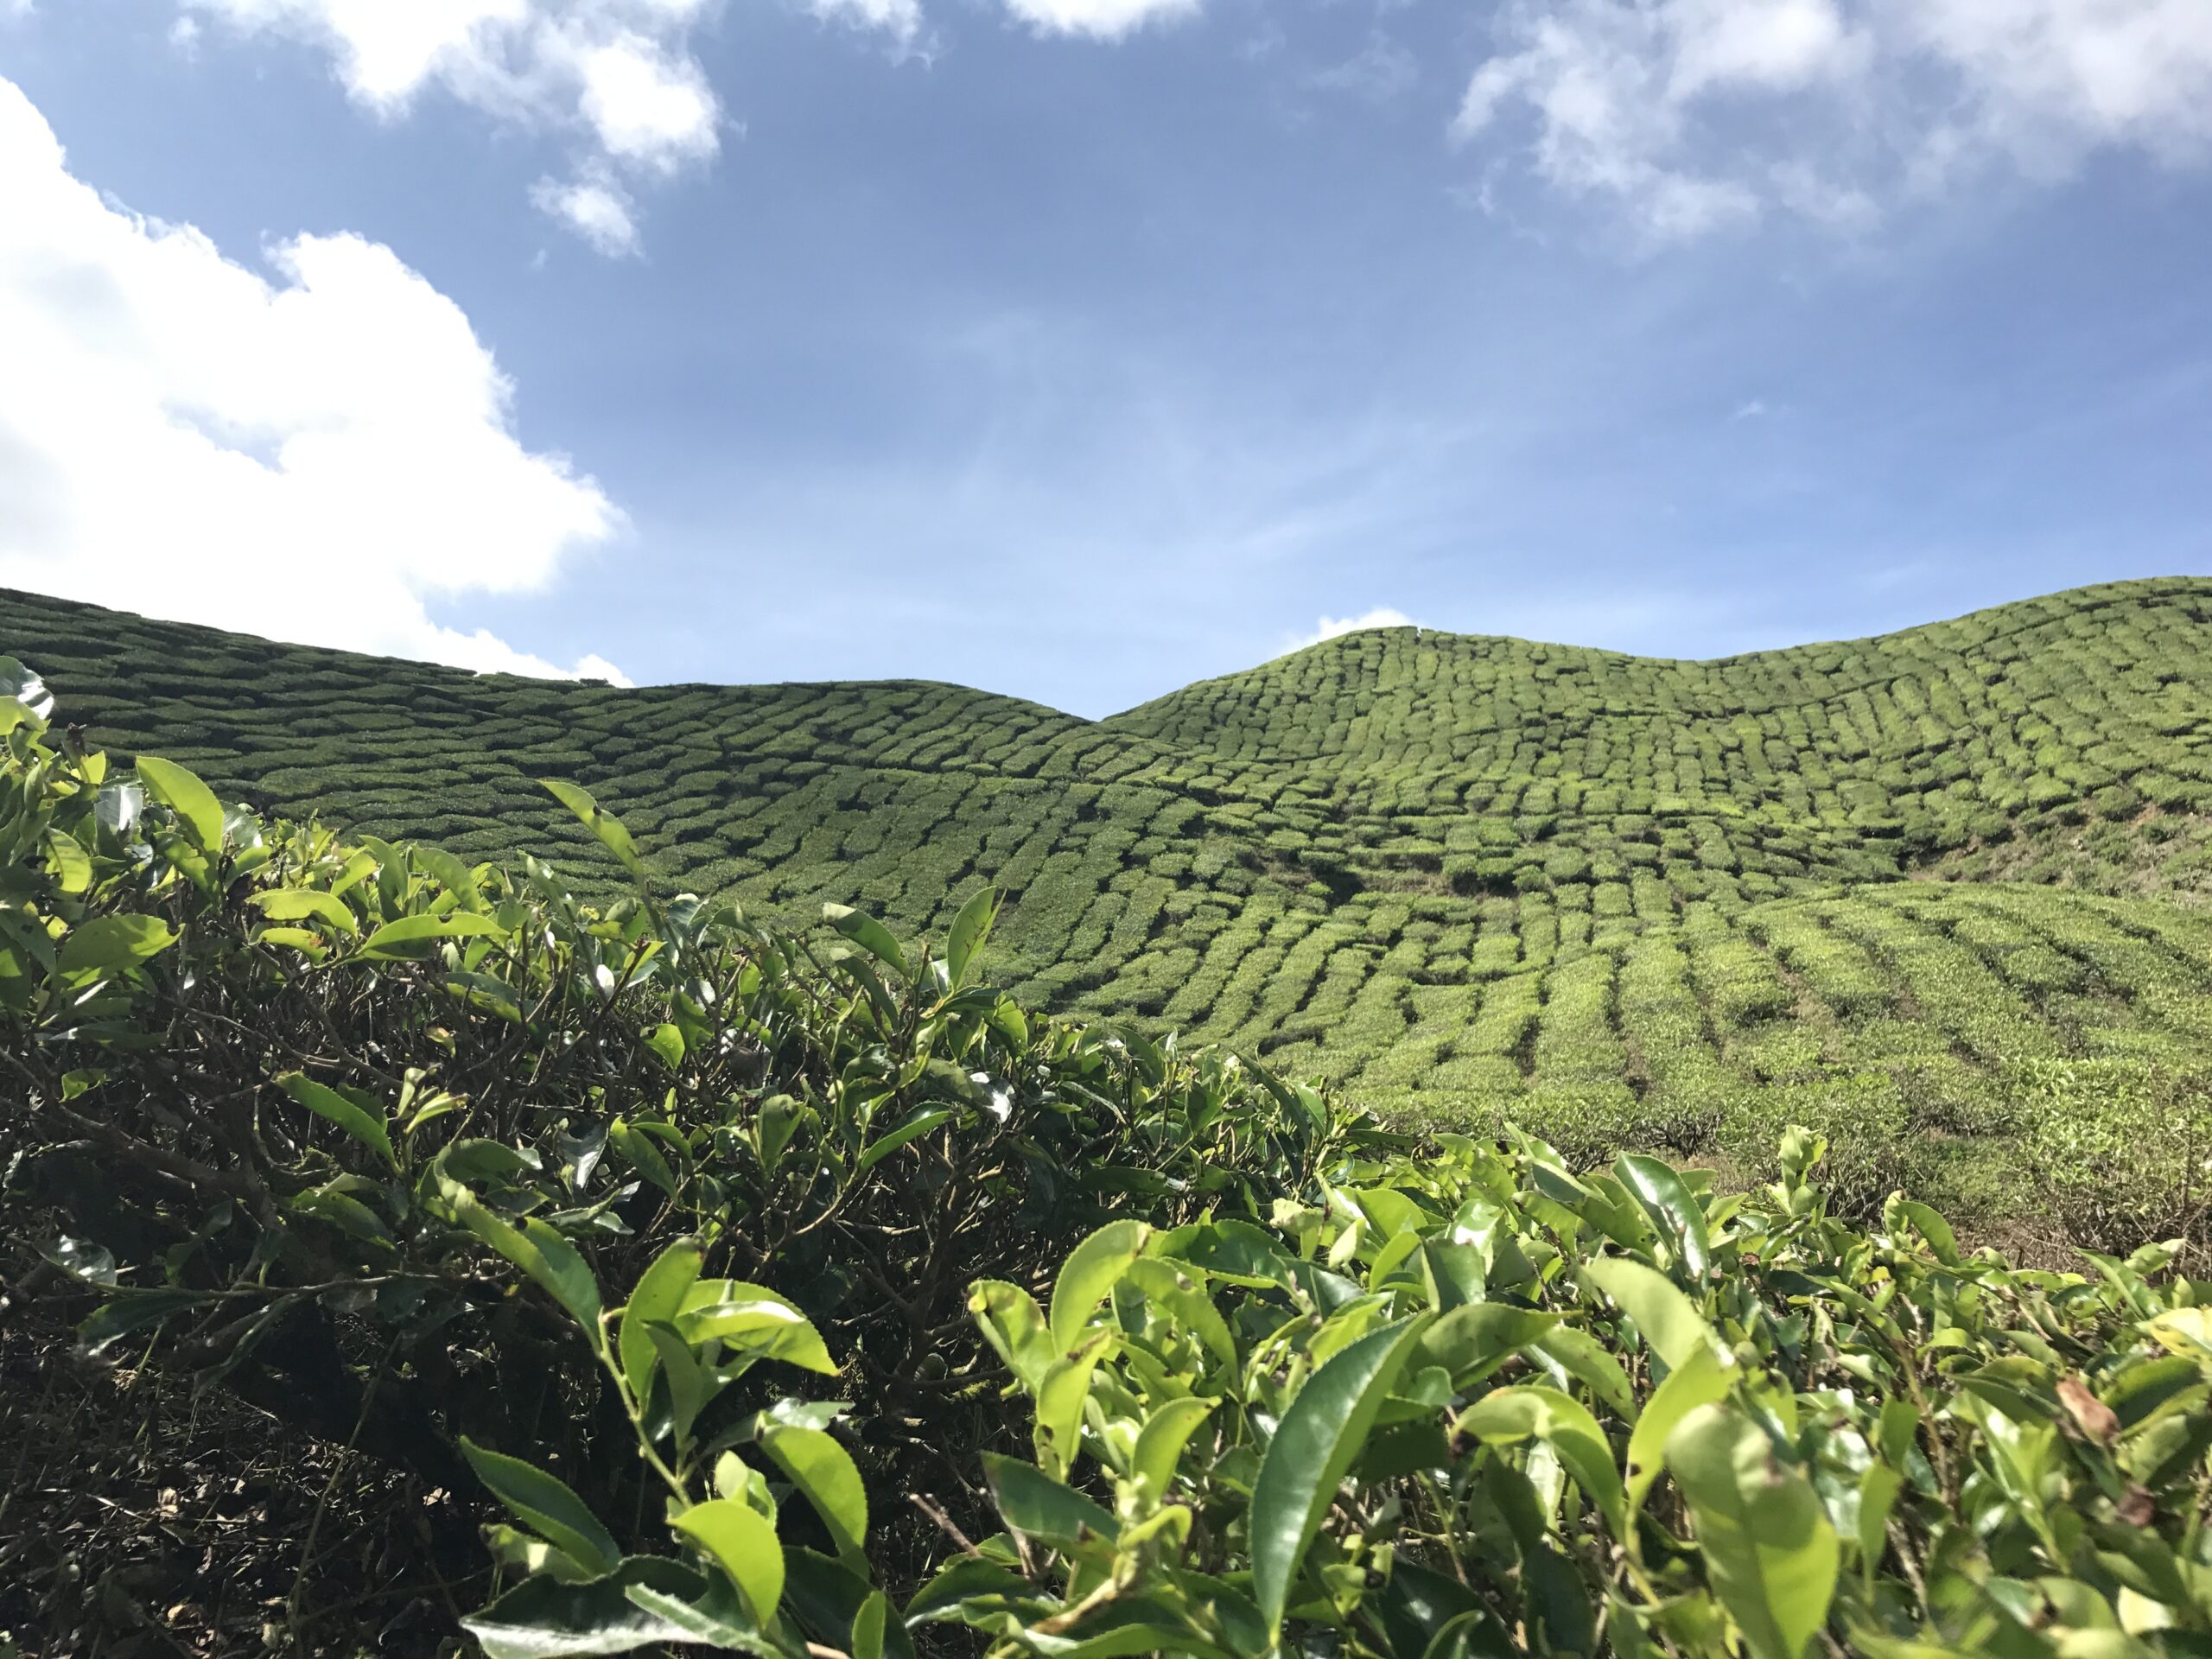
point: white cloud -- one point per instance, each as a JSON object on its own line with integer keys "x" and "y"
{"x": 900, "y": 19}
{"x": 597, "y": 209}
{"x": 1381, "y": 73}
{"x": 315, "y": 454}
{"x": 1104, "y": 20}
{"x": 1335, "y": 627}
{"x": 1688, "y": 115}
{"x": 620, "y": 75}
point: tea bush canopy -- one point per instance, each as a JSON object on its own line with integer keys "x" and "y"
{"x": 1931, "y": 893}
{"x": 690, "y": 1248}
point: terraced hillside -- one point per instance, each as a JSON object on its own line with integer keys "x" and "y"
{"x": 1938, "y": 887}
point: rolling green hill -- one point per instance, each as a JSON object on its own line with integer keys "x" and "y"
{"x": 1939, "y": 888}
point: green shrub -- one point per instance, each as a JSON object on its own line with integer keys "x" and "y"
{"x": 1480, "y": 1405}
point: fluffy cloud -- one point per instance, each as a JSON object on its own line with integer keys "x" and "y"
{"x": 1692, "y": 114}
{"x": 1335, "y": 627}
{"x": 1104, "y": 20}
{"x": 312, "y": 454}
{"x": 620, "y": 75}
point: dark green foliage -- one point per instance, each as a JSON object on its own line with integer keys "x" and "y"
{"x": 375, "y": 1139}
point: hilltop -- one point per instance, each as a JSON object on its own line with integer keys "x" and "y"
{"x": 1914, "y": 880}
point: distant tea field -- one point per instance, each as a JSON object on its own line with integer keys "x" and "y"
{"x": 1940, "y": 893}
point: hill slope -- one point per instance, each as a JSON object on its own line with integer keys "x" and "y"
{"x": 1618, "y": 898}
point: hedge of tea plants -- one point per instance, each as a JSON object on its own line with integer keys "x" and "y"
{"x": 802, "y": 1295}
{"x": 1936, "y": 894}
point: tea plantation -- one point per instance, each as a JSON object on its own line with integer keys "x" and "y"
{"x": 1935, "y": 893}
{"x": 407, "y": 1254}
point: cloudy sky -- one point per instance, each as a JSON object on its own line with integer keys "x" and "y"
{"x": 1080, "y": 348}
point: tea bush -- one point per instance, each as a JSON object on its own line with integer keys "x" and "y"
{"x": 1254, "y": 860}
{"x": 299, "y": 1109}
{"x": 675, "y": 1234}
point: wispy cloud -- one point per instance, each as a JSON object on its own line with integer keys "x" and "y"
{"x": 1380, "y": 73}
{"x": 1689, "y": 115}
{"x": 1104, "y": 20}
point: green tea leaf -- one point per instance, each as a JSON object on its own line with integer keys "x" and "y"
{"x": 740, "y": 1541}
{"x": 921, "y": 1124}
{"x": 23, "y": 685}
{"x": 1321, "y": 1434}
{"x": 1037, "y": 1506}
{"x": 970, "y": 928}
{"x": 1562, "y": 1423}
{"x": 1474, "y": 1339}
{"x": 535, "y": 1247}
{"x": 1670, "y": 1322}
{"x": 546, "y": 1506}
{"x": 542, "y": 1617}
{"x": 602, "y": 823}
{"x": 658, "y": 1296}
{"x": 1699, "y": 1380}
{"x": 1770, "y": 1549}
{"x": 110, "y": 944}
{"x": 1092, "y": 1270}
{"x": 869, "y": 1626}
{"x": 1160, "y": 1443}
{"x": 869, "y": 934}
{"x": 356, "y": 1120}
{"x": 411, "y": 937}
{"x": 303, "y": 904}
{"x": 194, "y": 804}
{"x": 825, "y": 1471}
{"x": 763, "y": 1328}
{"x": 1673, "y": 1209}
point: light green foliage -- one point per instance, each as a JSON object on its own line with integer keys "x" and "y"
{"x": 1682, "y": 899}
{"x": 1825, "y": 1438}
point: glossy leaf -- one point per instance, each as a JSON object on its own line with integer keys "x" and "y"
{"x": 1670, "y": 1322}
{"x": 869, "y": 934}
{"x": 546, "y": 1506}
{"x": 1702, "y": 1377}
{"x": 1673, "y": 1211}
{"x": 605, "y": 827}
{"x": 1321, "y": 1434}
{"x": 658, "y": 1296}
{"x": 825, "y": 1471}
{"x": 1034, "y": 1504}
{"x": 109, "y": 945}
{"x": 194, "y": 804}
{"x": 1511, "y": 1416}
{"x": 305, "y": 904}
{"x": 535, "y": 1247}
{"x": 357, "y": 1121}
{"x": 966, "y": 937}
{"x": 762, "y": 1328}
{"x": 737, "y": 1539}
{"x": 1092, "y": 1270}
{"x": 915, "y": 1126}
{"x": 413, "y": 937}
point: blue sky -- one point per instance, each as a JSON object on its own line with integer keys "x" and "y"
{"x": 1080, "y": 348}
